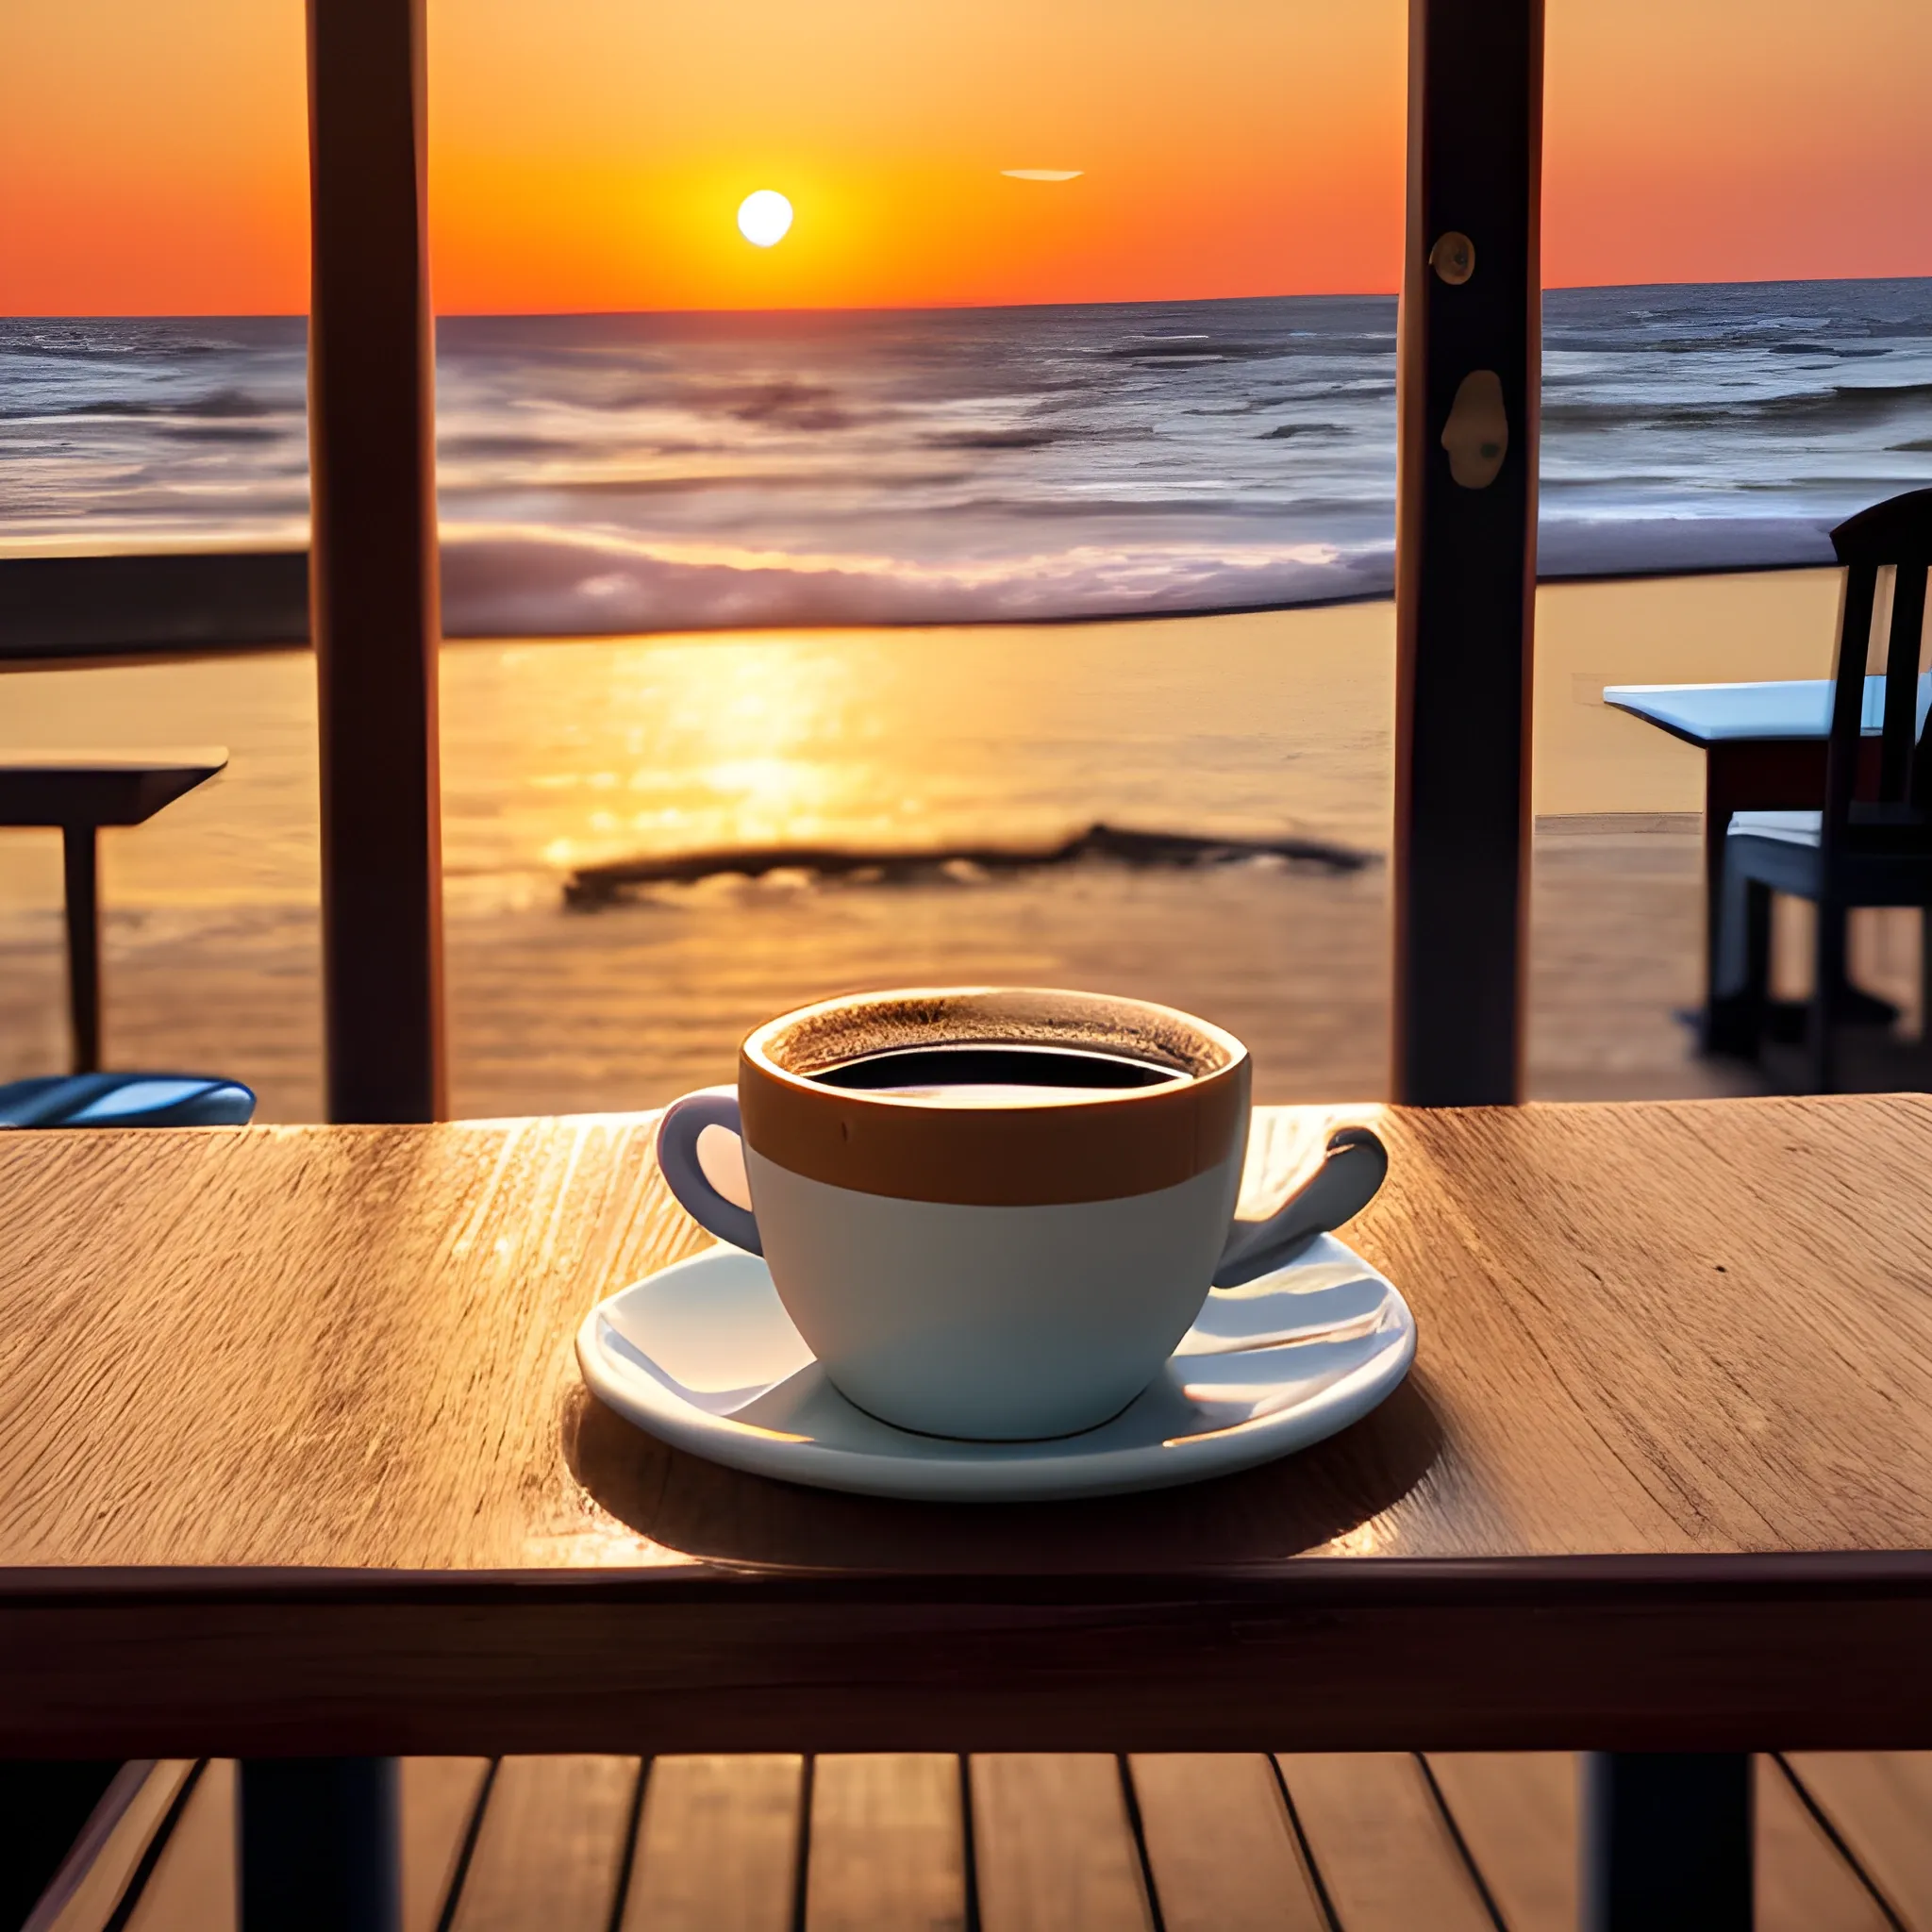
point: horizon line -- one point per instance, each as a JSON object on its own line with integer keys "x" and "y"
{"x": 924, "y": 307}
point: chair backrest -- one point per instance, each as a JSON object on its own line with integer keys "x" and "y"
{"x": 1897, "y": 533}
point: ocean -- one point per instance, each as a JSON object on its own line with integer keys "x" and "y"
{"x": 625, "y": 474}
{"x": 791, "y": 484}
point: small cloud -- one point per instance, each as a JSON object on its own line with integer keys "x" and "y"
{"x": 1042, "y": 174}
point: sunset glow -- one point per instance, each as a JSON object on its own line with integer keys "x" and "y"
{"x": 592, "y": 155}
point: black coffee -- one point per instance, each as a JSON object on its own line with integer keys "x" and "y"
{"x": 971, "y": 1076}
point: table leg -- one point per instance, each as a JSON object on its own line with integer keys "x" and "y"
{"x": 318, "y": 1845}
{"x": 1719, "y": 803}
{"x": 1666, "y": 1842}
{"x": 77, "y": 846}
{"x": 1725, "y": 1026}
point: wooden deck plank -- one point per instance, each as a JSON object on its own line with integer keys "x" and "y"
{"x": 192, "y": 1885}
{"x": 439, "y": 1798}
{"x": 1054, "y": 1849}
{"x": 1379, "y": 1843}
{"x": 86, "y": 1889}
{"x": 718, "y": 1846}
{"x": 1804, "y": 1883}
{"x": 1221, "y": 1847}
{"x": 1518, "y": 1814}
{"x": 718, "y": 1840}
{"x": 888, "y": 1844}
{"x": 1880, "y": 1803}
{"x": 1517, "y": 1811}
{"x": 549, "y": 1855}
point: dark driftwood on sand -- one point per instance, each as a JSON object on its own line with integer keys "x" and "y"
{"x": 598, "y": 885}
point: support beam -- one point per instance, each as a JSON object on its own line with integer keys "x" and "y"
{"x": 374, "y": 607}
{"x": 1469, "y": 370}
{"x": 317, "y": 1845}
{"x": 1666, "y": 1842}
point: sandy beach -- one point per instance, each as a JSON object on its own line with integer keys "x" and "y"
{"x": 558, "y": 753}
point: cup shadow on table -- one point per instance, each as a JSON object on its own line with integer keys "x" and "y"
{"x": 1283, "y": 1509}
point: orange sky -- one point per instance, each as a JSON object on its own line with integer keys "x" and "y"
{"x": 589, "y": 154}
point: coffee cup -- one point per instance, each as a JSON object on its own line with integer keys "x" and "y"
{"x": 991, "y": 1212}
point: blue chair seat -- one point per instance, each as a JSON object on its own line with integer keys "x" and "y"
{"x": 126, "y": 1100}
{"x": 1787, "y": 828}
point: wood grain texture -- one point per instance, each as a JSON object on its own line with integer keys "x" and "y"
{"x": 1880, "y": 1803}
{"x": 552, "y": 1847}
{"x": 1221, "y": 1850}
{"x": 718, "y": 1846}
{"x": 888, "y": 1844}
{"x": 1054, "y": 1848}
{"x": 297, "y": 1458}
{"x": 1378, "y": 1842}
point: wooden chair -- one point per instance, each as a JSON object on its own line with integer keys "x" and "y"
{"x": 1856, "y": 851}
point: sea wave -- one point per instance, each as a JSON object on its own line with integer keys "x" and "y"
{"x": 1837, "y": 405}
{"x": 648, "y": 472}
{"x": 509, "y": 583}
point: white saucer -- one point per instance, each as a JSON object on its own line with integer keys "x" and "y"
{"x": 703, "y": 1356}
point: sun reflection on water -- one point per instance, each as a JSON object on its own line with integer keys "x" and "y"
{"x": 715, "y": 742}
{"x": 722, "y": 744}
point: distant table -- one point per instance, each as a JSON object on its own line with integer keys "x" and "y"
{"x": 1764, "y": 750}
{"x": 80, "y": 791}
{"x": 300, "y": 1464}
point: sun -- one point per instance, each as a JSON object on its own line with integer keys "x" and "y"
{"x": 764, "y": 218}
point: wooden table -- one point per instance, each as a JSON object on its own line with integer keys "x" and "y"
{"x": 82, "y": 792}
{"x": 297, "y": 1463}
{"x": 1764, "y": 749}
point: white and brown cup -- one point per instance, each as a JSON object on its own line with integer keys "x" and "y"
{"x": 1001, "y": 1269}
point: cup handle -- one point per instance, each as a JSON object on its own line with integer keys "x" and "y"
{"x": 677, "y": 1160}
{"x": 1351, "y": 1172}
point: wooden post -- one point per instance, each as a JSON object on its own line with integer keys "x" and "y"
{"x": 1465, "y": 546}
{"x": 374, "y": 607}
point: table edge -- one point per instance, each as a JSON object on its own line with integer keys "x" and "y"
{"x": 1685, "y": 734}
{"x": 1298, "y": 1583}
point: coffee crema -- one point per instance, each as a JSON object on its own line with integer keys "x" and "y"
{"x": 970, "y": 1073}
{"x": 992, "y": 1096}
